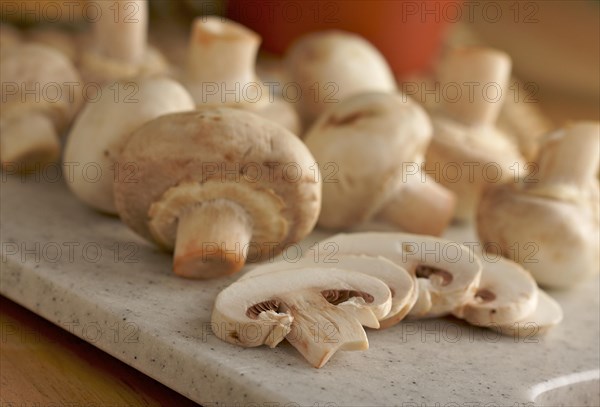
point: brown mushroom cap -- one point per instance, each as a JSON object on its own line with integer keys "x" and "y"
{"x": 220, "y": 153}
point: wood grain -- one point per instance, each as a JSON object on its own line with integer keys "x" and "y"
{"x": 41, "y": 364}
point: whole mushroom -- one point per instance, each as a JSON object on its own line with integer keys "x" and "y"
{"x": 220, "y": 71}
{"x": 467, "y": 151}
{"x": 549, "y": 221}
{"x": 330, "y": 66}
{"x": 370, "y": 148}
{"x": 103, "y": 128}
{"x": 39, "y": 101}
{"x": 229, "y": 187}
{"x": 119, "y": 48}
{"x": 9, "y": 38}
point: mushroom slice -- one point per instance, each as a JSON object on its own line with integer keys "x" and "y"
{"x": 447, "y": 272}
{"x": 302, "y": 307}
{"x": 398, "y": 279}
{"x": 507, "y": 293}
{"x": 547, "y": 314}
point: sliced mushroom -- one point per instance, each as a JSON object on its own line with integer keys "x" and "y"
{"x": 38, "y": 104}
{"x": 507, "y": 293}
{"x": 330, "y": 66}
{"x": 302, "y": 307}
{"x": 119, "y": 48}
{"x": 390, "y": 132}
{"x": 230, "y": 187}
{"x": 550, "y": 221}
{"x": 447, "y": 273}
{"x": 398, "y": 279}
{"x": 548, "y": 313}
{"x": 96, "y": 142}
{"x": 467, "y": 151}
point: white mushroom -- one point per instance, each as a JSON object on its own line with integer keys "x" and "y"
{"x": 506, "y": 294}
{"x": 447, "y": 273}
{"x": 66, "y": 42}
{"x": 229, "y": 187}
{"x": 119, "y": 48}
{"x": 548, "y": 313}
{"x": 550, "y": 221}
{"x": 38, "y": 103}
{"x": 301, "y": 307}
{"x": 103, "y": 128}
{"x": 220, "y": 71}
{"x": 467, "y": 151}
{"x": 330, "y": 66}
{"x": 370, "y": 148}
{"x": 398, "y": 279}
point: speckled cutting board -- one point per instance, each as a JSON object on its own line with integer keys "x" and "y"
{"x": 89, "y": 274}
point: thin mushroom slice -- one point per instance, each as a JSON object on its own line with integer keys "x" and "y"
{"x": 547, "y": 314}
{"x": 302, "y": 307}
{"x": 398, "y": 279}
{"x": 507, "y": 293}
{"x": 447, "y": 273}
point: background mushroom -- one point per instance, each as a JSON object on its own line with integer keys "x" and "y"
{"x": 301, "y": 307}
{"x": 104, "y": 126}
{"x": 9, "y": 37}
{"x": 549, "y": 221}
{"x": 231, "y": 186}
{"x": 220, "y": 71}
{"x": 467, "y": 150}
{"x": 119, "y": 48}
{"x": 38, "y": 103}
{"x": 370, "y": 148}
{"x": 398, "y": 279}
{"x": 330, "y": 66}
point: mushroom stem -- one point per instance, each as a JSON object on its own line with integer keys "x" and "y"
{"x": 320, "y": 328}
{"x": 212, "y": 240}
{"x": 221, "y": 55}
{"x": 29, "y": 140}
{"x": 570, "y": 156}
{"x": 120, "y": 31}
{"x": 421, "y": 206}
{"x": 480, "y": 77}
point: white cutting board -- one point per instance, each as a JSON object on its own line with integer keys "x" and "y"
{"x": 89, "y": 274}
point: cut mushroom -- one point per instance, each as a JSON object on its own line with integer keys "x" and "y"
{"x": 390, "y": 132}
{"x": 548, "y": 313}
{"x": 398, "y": 279}
{"x": 330, "y": 66}
{"x": 230, "y": 187}
{"x": 38, "y": 103}
{"x": 447, "y": 273}
{"x": 506, "y": 294}
{"x": 467, "y": 151}
{"x": 119, "y": 48}
{"x": 303, "y": 308}
{"x": 220, "y": 71}
{"x": 550, "y": 221}
{"x": 95, "y": 142}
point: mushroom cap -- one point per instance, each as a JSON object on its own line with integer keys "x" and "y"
{"x": 451, "y": 273}
{"x": 36, "y": 66}
{"x": 96, "y": 141}
{"x": 398, "y": 279}
{"x": 341, "y": 64}
{"x": 230, "y": 312}
{"x": 220, "y": 153}
{"x": 466, "y": 158}
{"x": 557, "y": 240}
{"x": 507, "y": 293}
{"x": 362, "y": 145}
